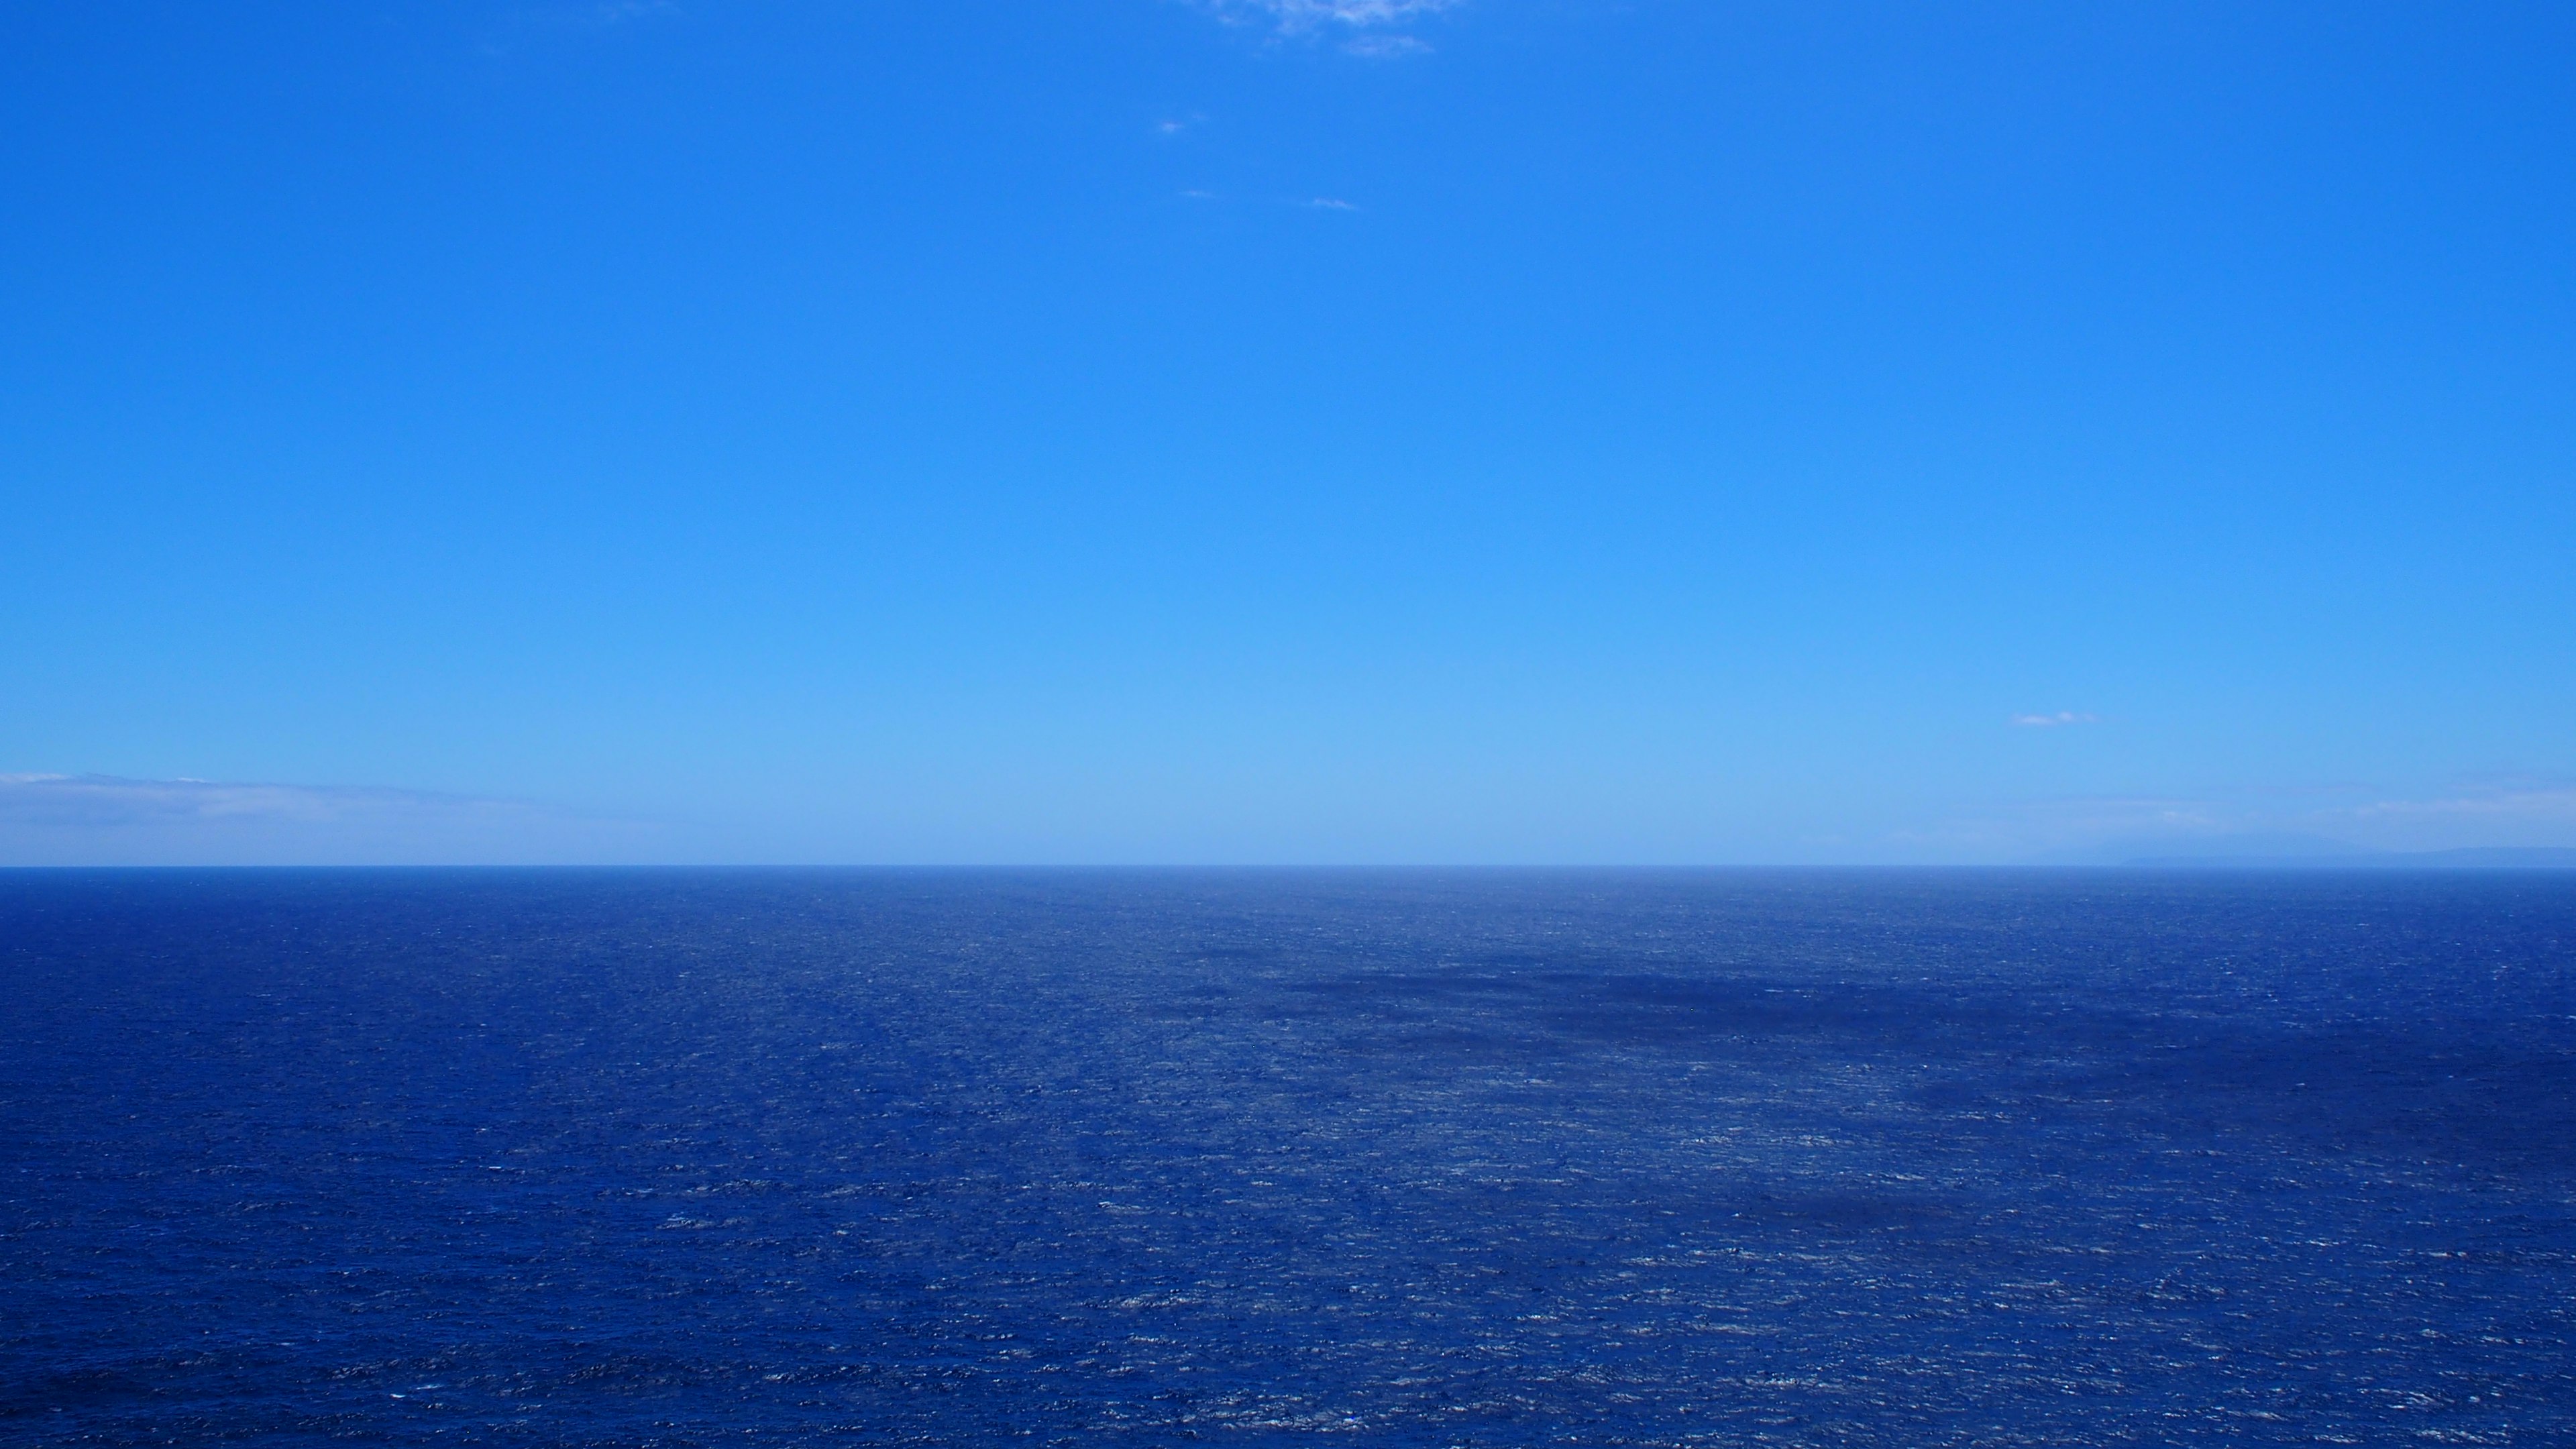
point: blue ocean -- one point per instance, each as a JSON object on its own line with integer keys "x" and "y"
{"x": 1244, "y": 1158}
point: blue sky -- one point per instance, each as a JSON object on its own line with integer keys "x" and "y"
{"x": 1153, "y": 431}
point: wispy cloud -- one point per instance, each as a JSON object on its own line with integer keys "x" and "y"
{"x": 107, "y": 819}
{"x": 541, "y": 26}
{"x": 1295, "y": 15}
{"x": 602, "y": 13}
{"x": 2549, "y": 807}
{"x": 1307, "y": 203}
{"x": 1386, "y": 47}
{"x": 111, "y": 800}
{"x": 1367, "y": 26}
{"x": 2052, "y": 721}
{"x": 2260, "y": 821}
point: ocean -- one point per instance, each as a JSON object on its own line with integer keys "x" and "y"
{"x": 1264, "y": 1158}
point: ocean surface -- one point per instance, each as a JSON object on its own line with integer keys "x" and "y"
{"x": 702, "y": 1158}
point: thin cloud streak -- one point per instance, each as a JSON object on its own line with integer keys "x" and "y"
{"x": 58, "y": 819}
{"x": 2526, "y": 804}
{"x": 94, "y": 800}
{"x": 1366, "y": 23}
{"x": 1305, "y": 15}
{"x": 1386, "y": 47}
{"x": 2254, "y": 823}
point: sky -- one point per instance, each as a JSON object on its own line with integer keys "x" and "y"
{"x": 1284, "y": 431}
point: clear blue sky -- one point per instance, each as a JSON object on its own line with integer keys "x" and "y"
{"x": 1142, "y": 430}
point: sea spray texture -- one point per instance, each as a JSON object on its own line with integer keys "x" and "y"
{"x": 1484, "y": 1159}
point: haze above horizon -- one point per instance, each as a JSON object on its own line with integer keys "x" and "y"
{"x": 1285, "y": 431}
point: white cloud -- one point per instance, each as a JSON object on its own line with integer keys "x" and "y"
{"x": 1331, "y": 203}
{"x": 2051, "y": 721}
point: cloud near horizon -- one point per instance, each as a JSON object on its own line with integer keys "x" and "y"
{"x": 2051, "y": 721}
{"x": 2109, "y": 828}
{"x": 2520, "y": 805}
{"x": 56, "y": 819}
{"x": 104, "y": 820}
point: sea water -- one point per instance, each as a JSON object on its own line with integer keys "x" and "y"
{"x": 697, "y": 1158}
